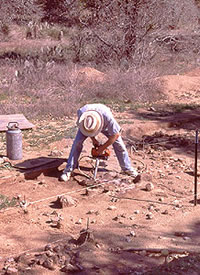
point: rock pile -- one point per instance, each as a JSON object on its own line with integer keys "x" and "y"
{"x": 61, "y": 256}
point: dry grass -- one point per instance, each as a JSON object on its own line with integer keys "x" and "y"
{"x": 37, "y": 79}
{"x": 50, "y": 89}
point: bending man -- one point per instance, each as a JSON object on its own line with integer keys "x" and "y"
{"x": 92, "y": 120}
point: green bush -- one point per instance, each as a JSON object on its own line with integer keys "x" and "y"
{"x": 5, "y": 202}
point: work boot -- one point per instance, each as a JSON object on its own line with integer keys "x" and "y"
{"x": 132, "y": 173}
{"x": 65, "y": 176}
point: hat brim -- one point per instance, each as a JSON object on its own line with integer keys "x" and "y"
{"x": 98, "y": 128}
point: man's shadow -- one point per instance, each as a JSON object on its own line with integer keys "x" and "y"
{"x": 49, "y": 166}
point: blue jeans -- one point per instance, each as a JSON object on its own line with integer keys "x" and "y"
{"x": 118, "y": 146}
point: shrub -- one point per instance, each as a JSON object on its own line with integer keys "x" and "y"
{"x": 5, "y": 202}
{"x": 54, "y": 33}
{"x": 58, "y": 90}
{"x": 139, "y": 86}
{"x": 5, "y": 29}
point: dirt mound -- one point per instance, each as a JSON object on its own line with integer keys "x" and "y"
{"x": 181, "y": 88}
{"x": 195, "y": 72}
{"x": 138, "y": 130}
{"x": 88, "y": 74}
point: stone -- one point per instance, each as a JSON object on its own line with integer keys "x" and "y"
{"x": 41, "y": 258}
{"x": 6, "y": 159}
{"x": 113, "y": 174}
{"x": 114, "y": 200}
{"x": 112, "y": 207}
{"x": 97, "y": 213}
{"x": 165, "y": 212}
{"x": 49, "y": 253}
{"x": 25, "y": 259}
{"x": 65, "y": 201}
{"x": 42, "y": 182}
{"x": 55, "y": 153}
{"x": 149, "y": 187}
{"x": 1, "y": 160}
{"x": 48, "y": 247}
{"x": 152, "y": 109}
{"x": 149, "y": 216}
{"x": 186, "y": 238}
{"x": 79, "y": 221}
{"x": 176, "y": 203}
{"x": 136, "y": 211}
{"x": 128, "y": 240}
{"x": 91, "y": 212}
{"x": 132, "y": 234}
{"x": 151, "y": 207}
{"x": 70, "y": 268}
{"x": 58, "y": 224}
{"x": 57, "y": 248}
{"x": 48, "y": 263}
{"x": 11, "y": 270}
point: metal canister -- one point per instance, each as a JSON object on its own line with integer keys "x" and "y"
{"x": 14, "y": 141}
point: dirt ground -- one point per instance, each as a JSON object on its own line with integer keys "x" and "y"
{"x": 111, "y": 225}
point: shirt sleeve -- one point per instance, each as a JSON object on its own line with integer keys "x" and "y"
{"x": 113, "y": 127}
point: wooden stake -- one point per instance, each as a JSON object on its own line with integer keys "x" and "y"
{"x": 195, "y": 172}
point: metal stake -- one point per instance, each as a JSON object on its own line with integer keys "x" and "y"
{"x": 96, "y": 168}
{"x": 195, "y": 171}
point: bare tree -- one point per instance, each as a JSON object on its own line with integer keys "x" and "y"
{"x": 20, "y": 11}
{"x": 110, "y": 30}
{"x": 120, "y": 29}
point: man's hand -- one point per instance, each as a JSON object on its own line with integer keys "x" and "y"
{"x": 96, "y": 153}
{"x": 102, "y": 147}
{"x": 99, "y": 150}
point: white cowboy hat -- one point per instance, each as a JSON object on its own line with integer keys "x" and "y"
{"x": 90, "y": 123}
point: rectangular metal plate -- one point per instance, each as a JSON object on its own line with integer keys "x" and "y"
{"x": 20, "y": 118}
